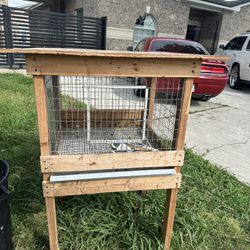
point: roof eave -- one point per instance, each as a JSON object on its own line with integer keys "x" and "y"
{"x": 217, "y": 6}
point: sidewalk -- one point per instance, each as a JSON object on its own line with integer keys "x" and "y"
{"x": 219, "y": 130}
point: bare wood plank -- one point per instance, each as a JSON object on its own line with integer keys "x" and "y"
{"x": 103, "y": 114}
{"x": 109, "y": 53}
{"x": 57, "y": 104}
{"x": 184, "y": 114}
{"x": 40, "y": 94}
{"x": 52, "y": 224}
{"x": 110, "y": 185}
{"x": 105, "y": 66}
{"x": 42, "y": 120}
{"x": 89, "y": 162}
{"x": 179, "y": 144}
{"x": 152, "y": 102}
{"x": 74, "y": 118}
{"x": 169, "y": 217}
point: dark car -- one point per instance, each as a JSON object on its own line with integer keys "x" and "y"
{"x": 213, "y": 76}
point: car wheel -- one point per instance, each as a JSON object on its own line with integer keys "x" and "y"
{"x": 203, "y": 99}
{"x": 234, "y": 79}
{"x": 139, "y": 92}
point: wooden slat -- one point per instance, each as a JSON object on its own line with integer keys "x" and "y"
{"x": 110, "y": 53}
{"x": 180, "y": 140}
{"x": 40, "y": 94}
{"x": 110, "y": 185}
{"x": 168, "y": 220}
{"x": 152, "y": 102}
{"x": 56, "y": 101}
{"x": 72, "y": 118}
{"x": 56, "y": 107}
{"x": 52, "y": 222}
{"x": 112, "y": 66}
{"x": 42, "y": 120}
{"x": 90, "y": 162}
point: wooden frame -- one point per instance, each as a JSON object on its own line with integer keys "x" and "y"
{"x": 91, "y": 162}
{"x": 111, "y": 185}
{"x": 56, "y": 62}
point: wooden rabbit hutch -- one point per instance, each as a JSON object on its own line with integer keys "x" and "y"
{"x": 111, "y": 122}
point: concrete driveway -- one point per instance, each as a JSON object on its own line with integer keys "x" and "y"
{"x": 219, "y": 130}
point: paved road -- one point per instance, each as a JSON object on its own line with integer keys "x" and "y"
{"x": 219, "y": 130}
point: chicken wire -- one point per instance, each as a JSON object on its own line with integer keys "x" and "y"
{"x": 111, "y": 114}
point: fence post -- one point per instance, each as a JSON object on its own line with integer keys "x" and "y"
{"x": 8, "y": 34}
{"x": 104, "y": 29}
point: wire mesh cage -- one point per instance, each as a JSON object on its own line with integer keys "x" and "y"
{"x": 112, "y": 114}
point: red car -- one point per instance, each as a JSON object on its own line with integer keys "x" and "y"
{"x": 213, "y": 77}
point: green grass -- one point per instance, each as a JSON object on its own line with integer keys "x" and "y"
{"x": 212, "y": 209}
{"x": 69, "y": 102}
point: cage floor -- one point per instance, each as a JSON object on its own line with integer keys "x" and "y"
{"x": 101, "y": 140}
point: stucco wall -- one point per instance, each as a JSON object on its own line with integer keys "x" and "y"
{"x": 234, "y": 24}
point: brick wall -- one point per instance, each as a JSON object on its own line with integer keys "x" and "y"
{"x": 234, "y": 24}
{"x": 89, "y": 7}
{"x": 171, "y": 17}
{"x": 126, "y": 13}
{"x": 122, "y": 16}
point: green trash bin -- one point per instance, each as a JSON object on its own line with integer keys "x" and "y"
{"x": 5, "y": 220}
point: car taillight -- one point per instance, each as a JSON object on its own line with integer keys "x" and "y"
{"x": 213, "y": 69}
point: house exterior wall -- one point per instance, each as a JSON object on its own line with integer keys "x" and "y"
{"x": 90, "y": 7}
{"x": 171, "y": 17}
{"x": 234, "y": 24}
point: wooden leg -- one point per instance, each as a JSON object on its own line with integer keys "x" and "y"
{"x": 52, "y": 226}
{"x": 169, "y": 217}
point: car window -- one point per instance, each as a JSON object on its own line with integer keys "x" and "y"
{"x": 177, "y": 47}
{"x": 248, "y": 46}
{"x": 140, "y": 46}
{"x": 236, "y": 43}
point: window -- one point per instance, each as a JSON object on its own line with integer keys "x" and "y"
{"x": 145, "y": 26}
{"x": 248, "y": 46}
{"x": 177, "y": 47}
{"x": 236, "y": 43}
{"x": 140, "y": 46}
{"x": 79, "y": 12}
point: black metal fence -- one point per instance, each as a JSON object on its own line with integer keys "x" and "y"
{"x": 22, "y": 28}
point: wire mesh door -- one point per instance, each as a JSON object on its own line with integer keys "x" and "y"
{"x": 112, "y": 114}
